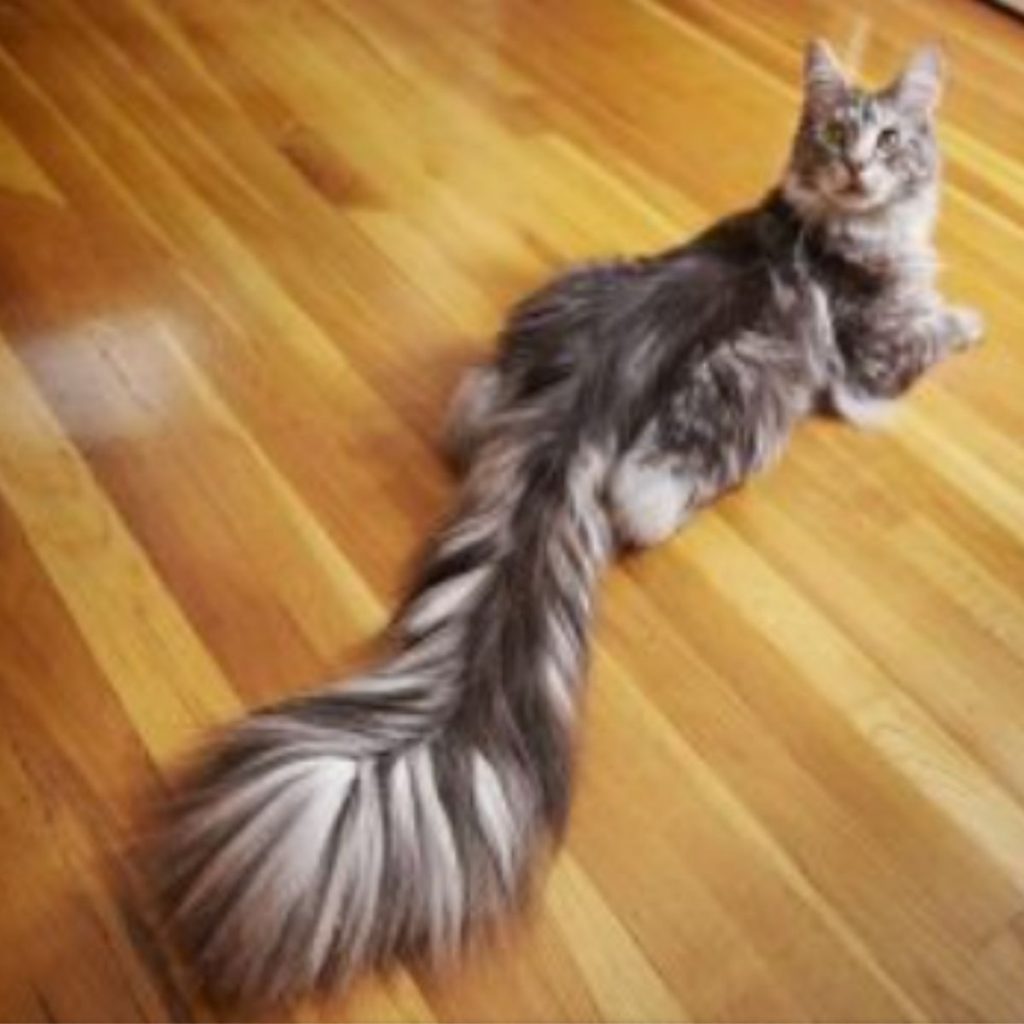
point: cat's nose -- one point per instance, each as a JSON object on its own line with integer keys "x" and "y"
{"x": 855, "y": 170}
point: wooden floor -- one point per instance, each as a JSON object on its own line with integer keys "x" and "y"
{"x": 245, "y": 248}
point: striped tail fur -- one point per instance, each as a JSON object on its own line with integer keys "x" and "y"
{"x": 387, "y": 818}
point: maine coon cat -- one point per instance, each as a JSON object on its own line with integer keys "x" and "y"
{"x": 390, "y": 816}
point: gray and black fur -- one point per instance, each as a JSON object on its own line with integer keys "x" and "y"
{"x": 391, "y": 816}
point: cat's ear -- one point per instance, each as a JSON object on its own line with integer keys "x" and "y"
{"x": 919, "y": 87}
{"x": 824, "y": 82}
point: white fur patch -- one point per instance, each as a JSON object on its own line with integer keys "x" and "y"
{"x": 496, "y": 814}
{"x": 864, "y": 411}
{"x": 649, "y": 503}
{"x": 444, "y": 600}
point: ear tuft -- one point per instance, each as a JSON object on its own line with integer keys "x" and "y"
{"x": 824, "y": 81}
{"x": 919, "y": 87}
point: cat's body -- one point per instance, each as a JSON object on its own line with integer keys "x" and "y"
{"x": 389, "y": 816}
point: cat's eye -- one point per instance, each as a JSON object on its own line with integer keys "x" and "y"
{"x": 835, "y": 134}
{"x": 888, "y": 139}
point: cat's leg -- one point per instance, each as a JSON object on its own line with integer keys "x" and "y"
{"x": 470, "y": 413}
{"x": 729, "y": 417}
{"x": 649, "y": 497}
{"x": 860, "y": 409}
{"x": 964, "y": 327}
{"x": 879, "y": 368}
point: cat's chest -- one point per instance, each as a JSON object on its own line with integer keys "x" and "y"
{"x": 860, "y": 297}
{"x": 852, "y": 298}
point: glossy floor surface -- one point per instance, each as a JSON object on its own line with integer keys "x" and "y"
{"x": 245, "y": 249}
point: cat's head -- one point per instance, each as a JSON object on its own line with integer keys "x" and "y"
{"x": 858, "y": 151}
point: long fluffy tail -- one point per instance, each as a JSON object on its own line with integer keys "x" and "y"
{"x": 387, "y": 817}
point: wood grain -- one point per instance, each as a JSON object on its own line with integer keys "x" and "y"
{"x": 246, "y": 249}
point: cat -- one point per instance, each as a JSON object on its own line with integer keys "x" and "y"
{"x": 395, "y": 815}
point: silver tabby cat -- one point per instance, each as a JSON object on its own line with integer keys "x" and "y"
{"x": 390, "y": 817}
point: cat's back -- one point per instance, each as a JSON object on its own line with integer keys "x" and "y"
{"x": 592, "y": 319}
{"x": 716, "y": 284}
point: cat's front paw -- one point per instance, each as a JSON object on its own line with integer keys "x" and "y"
{"x": 966, "y": 327}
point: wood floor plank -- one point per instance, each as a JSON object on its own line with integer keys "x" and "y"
{"x": 160, "y": 670}
{"x": 69, "y": 781}
{"x": 822, "y": 798}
